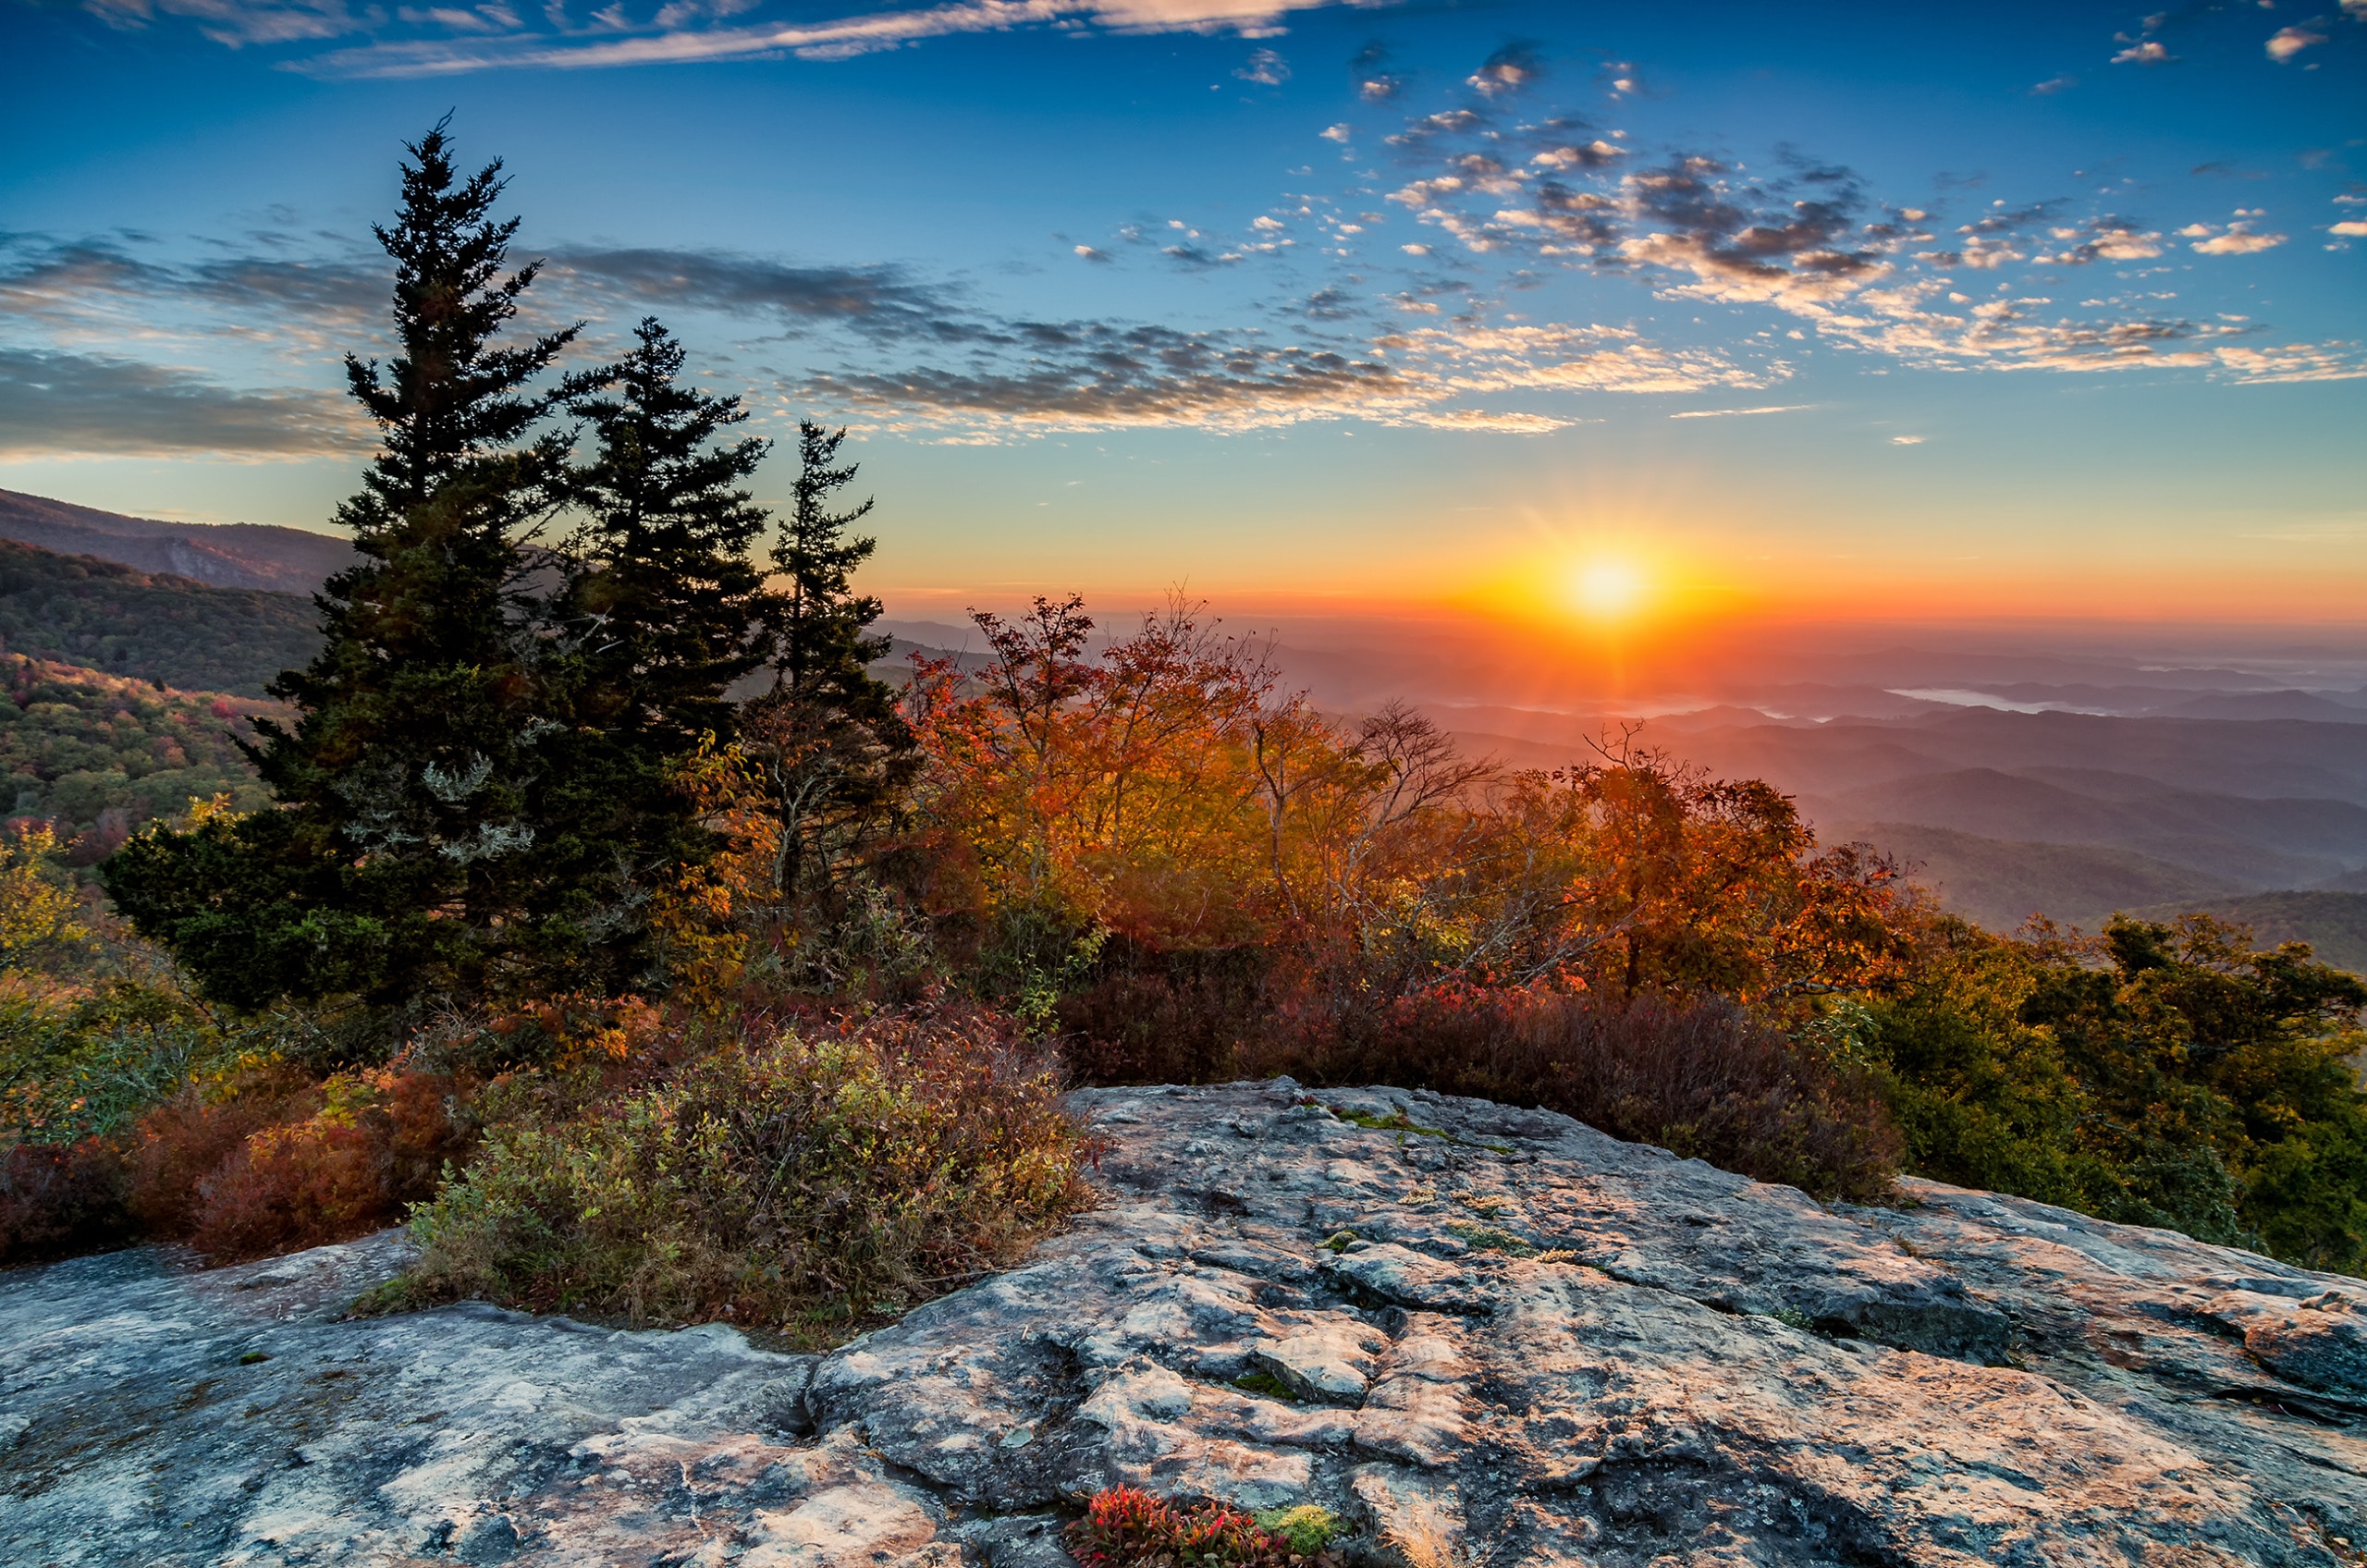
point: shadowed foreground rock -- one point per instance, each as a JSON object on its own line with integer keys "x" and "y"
{"x": 1563, "y": 1348}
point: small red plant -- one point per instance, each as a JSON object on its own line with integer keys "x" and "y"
{"x": 1126, "y": 1527}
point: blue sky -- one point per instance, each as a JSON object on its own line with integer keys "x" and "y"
{"x": 2050, "y": 311}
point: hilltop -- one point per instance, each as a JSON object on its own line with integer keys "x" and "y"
{"x": 235, "y": 555}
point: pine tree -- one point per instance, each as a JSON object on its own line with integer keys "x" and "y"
{"x": 834, "y": 751}
{"x": 822, "y": 642}
{"x": 660, "y": 612}
{"x": 660, "y": 586}
{"x": 401, "y": 858}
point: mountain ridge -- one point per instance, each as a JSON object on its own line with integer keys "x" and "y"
{"x": 232, "y": 555}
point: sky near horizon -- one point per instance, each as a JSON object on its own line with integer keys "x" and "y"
{"x": 1557, "y": 312}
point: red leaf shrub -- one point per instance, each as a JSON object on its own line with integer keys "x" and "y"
{"x": 276, "y": 1164}
{"x": 182, "y": 1142}
{"x": 299, "y": 1184}
{"x": 1124, "y": 1527}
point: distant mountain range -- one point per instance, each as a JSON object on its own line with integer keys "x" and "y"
{"x": 237, "y": 555}
{"x": 2006, "y": 814}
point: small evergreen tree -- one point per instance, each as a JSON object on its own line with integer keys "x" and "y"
{"x": 822, "y": 627}
{"x": 401, "y": 859}
{"x": 660, "y": 588}
{"x": 834, "y": 752}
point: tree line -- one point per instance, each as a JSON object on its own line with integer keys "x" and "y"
{"x": 483, "y": 795}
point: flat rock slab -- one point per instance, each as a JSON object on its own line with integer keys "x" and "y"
{"x": 1495, "y": 1328}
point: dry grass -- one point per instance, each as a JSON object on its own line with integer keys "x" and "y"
{"x": 1424, "y": 1534}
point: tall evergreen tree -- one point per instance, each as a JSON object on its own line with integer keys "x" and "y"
{"x": 660, "y": 611}
{"x": 401, "y": 858}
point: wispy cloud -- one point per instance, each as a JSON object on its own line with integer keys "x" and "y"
{"x": 451, "y": 39}
{"x": 880, "y": 343}
{"x": 1264, "y": 67}
{"x": 54, "y": 403}
{"x": 878, "y": 301}
{"x": 46, "y": 279}
{"x": 1733, "y": 413}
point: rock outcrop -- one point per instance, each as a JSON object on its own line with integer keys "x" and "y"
{"x": 1492, "y": 1335}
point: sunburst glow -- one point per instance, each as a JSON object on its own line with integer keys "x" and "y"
{"x": 1609, "y": 590}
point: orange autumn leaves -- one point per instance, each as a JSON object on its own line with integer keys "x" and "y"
{"x": 1166, "y": 788}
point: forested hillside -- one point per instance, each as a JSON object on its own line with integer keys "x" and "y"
{"x": 97, "y": 756}
{"x": 150, "y": 627}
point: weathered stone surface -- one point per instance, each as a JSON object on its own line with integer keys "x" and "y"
{"x": 1498, "y": 1335}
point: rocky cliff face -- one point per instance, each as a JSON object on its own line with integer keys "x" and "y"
{"x": 1547, "y": 1345}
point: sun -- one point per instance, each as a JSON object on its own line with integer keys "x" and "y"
{"x": 1608, "y": 589}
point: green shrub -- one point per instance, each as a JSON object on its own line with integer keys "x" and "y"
{"x": 1306, "y": 1529}
{"x": 2156, "y": 1074}
{"x": 807, "y": 1184}
{"x": 80, "y": 1064}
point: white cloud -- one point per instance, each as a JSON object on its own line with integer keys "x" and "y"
{"x": 2148, "y": 52}
{"x": 2351, "y": 228}
{"x": 2288, "y": 42}
{"x": 1733, "y": 413}
{"x": 1906, "y": 440}
{"x": 2238, "y": 241}
{"x": 1595, "y": 359}
{"x": 2295, "y": 361}
{"x": 1336, "y": 133}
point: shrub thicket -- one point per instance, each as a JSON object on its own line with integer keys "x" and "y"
{"x": 801, "y": 1182}
{"x": 2157, "y": 1074}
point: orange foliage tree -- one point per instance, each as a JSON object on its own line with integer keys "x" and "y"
{"x": 1168, "y": 790}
